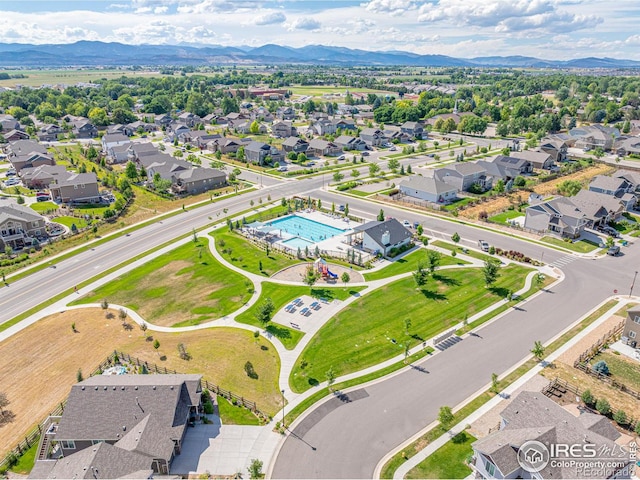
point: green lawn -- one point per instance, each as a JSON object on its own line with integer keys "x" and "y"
{"x": 237, "y": 250}
{"x": 26, "y": 461}
{"x": 458, "y": 203}
{"x": 68, "y": 221}
{"x": 280, "y": 295}
{"x": 581, "y": 246}
{"x": 186, "y": 286}
{"x": 372, "y": 329}
{"x": 409, "y": 263}
{"x": 42, "y": 207}
{"x": 623, "y": 370}
{"x": 449, "y": 461}
{"x": 231, "y": 414}
{"x": 503, "y": 217}
{"x": 94, "y": 210}
{"x": 471, "y": 253}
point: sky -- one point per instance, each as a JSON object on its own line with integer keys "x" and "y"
{"x": 548, "y": 29}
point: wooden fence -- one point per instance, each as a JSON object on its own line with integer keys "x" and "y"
{"x": 33, "y": 436}
{"x": 592, "y": 351}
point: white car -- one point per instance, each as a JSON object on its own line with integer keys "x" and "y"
{"x": 282, "y": 169}
{"x": 393, "y": 149}
{"x": 11, "y": 181}
{"x": 341, "y": 157}
{"x": 406, "y": 224}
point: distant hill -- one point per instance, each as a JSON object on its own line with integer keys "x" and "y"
{"x": 88, "y": 53}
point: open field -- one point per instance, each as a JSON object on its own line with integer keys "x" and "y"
{"x": 409, "y": 263}
{"x": 184, "y": 287}
{"x": 38, "y": 382}
{"x": 449, "y": 461}
{"x": 356, "y": 338}
{"x": 319, "y": 91}
{"x": 35, "y": 78}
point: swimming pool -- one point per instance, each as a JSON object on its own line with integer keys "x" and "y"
{"x": 297, "y": 242}
{"x": 306, "y": 229}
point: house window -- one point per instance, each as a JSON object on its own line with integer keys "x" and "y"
{"x": 75, "y": 187}
{"x": 632, "y": 334}
{"x": 95, "y": 442}
{"x": 489, "y": 467}
{"x": 637, "y": 319}
{"x": 68, "y": 444}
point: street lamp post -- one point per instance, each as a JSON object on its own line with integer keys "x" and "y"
{"x": 633, "y": 283}
{"x": 282, "y": 391}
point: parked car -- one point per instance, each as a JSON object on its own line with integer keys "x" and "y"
{"x": 614, "y": 251}
{"x": 282, "y": 168}
{"x": 406, "y": 224}
{"x": 393, "y": 149}
{"x": 484, "y": 246}
{"x": 342, "y": 157}
{"x": 365, "y": 154}
{"x": 11, "y": 173}
{"x": 341, "y": 208}
{"x": 43, "y": 199}
{"x": 11, "y": 181}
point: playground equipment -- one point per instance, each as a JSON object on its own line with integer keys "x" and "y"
{"x": 321, "y": 267}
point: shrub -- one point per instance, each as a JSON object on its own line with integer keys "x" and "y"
{"x": 601, "y": 367}
{"x": 602, "y": 405}
{"x": 208, "y": 407}
{"x": 483, "y": 216}
{"x": 588, "y": 398}
{"x": 620, "y": 417}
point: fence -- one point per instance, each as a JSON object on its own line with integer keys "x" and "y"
{"x": 592, "y": 351}
{"x": 607, "y": 379}
{"x": 33, "y": 436}
{"x": 403, "y": 199}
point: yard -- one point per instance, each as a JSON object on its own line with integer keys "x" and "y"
{"x": 280, "y": 295}
{"x": 44, "y": 207}
{"x": 449, "y": 461}
{"x": 580, "y": 246}
{"x": 187, "y": 286}
{"x": 69, "y": 221}
{"x": 504, "y": 217}
{"x": 355, "y": 338}
{"x": 219, "y": 354}
{"x": 622, "y": 369}
{"x": 409, "y": 263}
{"x": 240, "y": 252}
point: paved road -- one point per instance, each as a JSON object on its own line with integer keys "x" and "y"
{"x": 350, "y": 440}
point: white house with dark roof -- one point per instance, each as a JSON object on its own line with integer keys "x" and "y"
{"x": 539, "y": 160}
{"x": 120, "y": 425}
{"x": 428, "y": 188}
{"x": 532, "y": 416}
{"x": 380, "y": 237}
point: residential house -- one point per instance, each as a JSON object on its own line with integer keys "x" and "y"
{"x": 631, "y": 330}
{"x": 19, "y": 226}
{"x": 166, "y": 166}
{"x": 373, "y": 137}
{"x": 42, "y": 176}
{"x": 118, "y": 154}
{"x": 318, "y": 148}
{"x": 30, "y": 160}
{"x": 344, "y": 125}
{"x": 8, "y": 123}
{"x": 189, "y": 119}
{"x": 23, "y": 147}
{"x": 197, "y": 180}
{"x": 295, "y": 144}
{"x": 15, "y": 135}
{"x": 49, "y": 132}
{"x": 599, "y": 208}
{"x": 286, "y": 113}
{"x": 245, "y": 128}
{"x": 380, "y": 237}
{"x": 210, "y": 119}
{"x": 556, "y": 146}
{"x": 284, "y": 129}
{"x": 539, "y": 160}
{"x": 456, "y": 116}
{"x": 505, "y": 168}
{"x": 261, "y": 114}
{"x": 121, "y": 426}
{"x": 617, "y": 187}
{"x": 394, "y": 134}
{"x": 413, "y": 129}
{"x": 198, "y": 138}
{"x": 113, "y": 140}
{"x": 163, "y": 120}
{"x": 346, "y": 142}
{"x": 594, "y": 136}
{"x": 257, "y": 152}
{"x": 532, "y": 416}
{"x": 225, "y": 145}
{"x": 84, "y": 129}
{"x": 234, "y": 118}
{"x": 323, "y": 126}
{"x": 175, "y": 131}
{"x": 463, "y": 175}
{"x": 75, "y": 188}
{"x": 138, "y": 150}
{"x": 427, "y": 188}
{"x": 624, "y": 146}
{"x": 143, "y": 127}
{"x": 120, "y": 129}
{"x": 632, "y": 177}
{"x": 559, "y": 216}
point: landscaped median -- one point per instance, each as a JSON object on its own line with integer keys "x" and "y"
{"x": 375, "y": 328}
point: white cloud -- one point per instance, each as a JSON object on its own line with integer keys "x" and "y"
{"x": 391, "y": 7}
{"x": 270, "y": 18}
{"x": 209, "y": 6}
{"x": 304, "y": 23}
{"x": 160, "y": 10}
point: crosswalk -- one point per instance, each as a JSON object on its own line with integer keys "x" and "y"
{"x": 563, "y": 261}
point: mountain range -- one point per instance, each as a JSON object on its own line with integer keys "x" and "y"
{"x": 91, "y": 53}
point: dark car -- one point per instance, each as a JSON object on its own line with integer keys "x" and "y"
{"x": 614, "y": 251}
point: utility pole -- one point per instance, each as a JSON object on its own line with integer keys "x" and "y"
{"x": 633, "y": 283}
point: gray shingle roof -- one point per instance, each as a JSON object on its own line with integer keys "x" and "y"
{"x": 604, "y": 182}
{"x": 15, "y": 211}
{"x": 375, "y": 230}
{"x": 427, "y": 184}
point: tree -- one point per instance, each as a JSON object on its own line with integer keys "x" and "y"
{"x": 620, "y": 417}
{"x": 407, "y": 325}
{"x": 355, "y": 173}
{"x": 610, "y": 242}
{"x": 601, "y": 367}
{"x": 104, "y": 304}
{"x": 265, "y": 310}
{"x": 254, "y": 128}
{"x": 602, "y": 405}
{"x": 79, "y": 376}
{"x": 310, "y": 276}
{"x": 156, "y": 344}
{"x": 569, "y": 188}
{"x": 455, "y": 237}
{"x": 240, "y": 154}
{"x": 345, "y": 277}
{"x": 122, "y": 315}
{"x": 433, "y": 260}
{"x": 130, "y": 171}
{"x": 346, "y": 209}
{"x": 538, "y": 350}
{"x": 373, "y": 169}
{"x": 494, "y": 383}
{"x": 4, "y": 401}
{"x": 143, "y": 327}
{"x": 420, "y": 275}
{"x": 337, "y": 177}
{"x": 255, "y": 469}
{"x": 588, "y": 398}
{"x": 380, "y": 217}
{"x": 330, "y": 375}
{"x": 490, "y": 271}
{"x": 393, "y": 164}
{"x": 445, "y": 416}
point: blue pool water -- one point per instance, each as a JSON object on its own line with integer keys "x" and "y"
{"x": 306, "y": 229}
